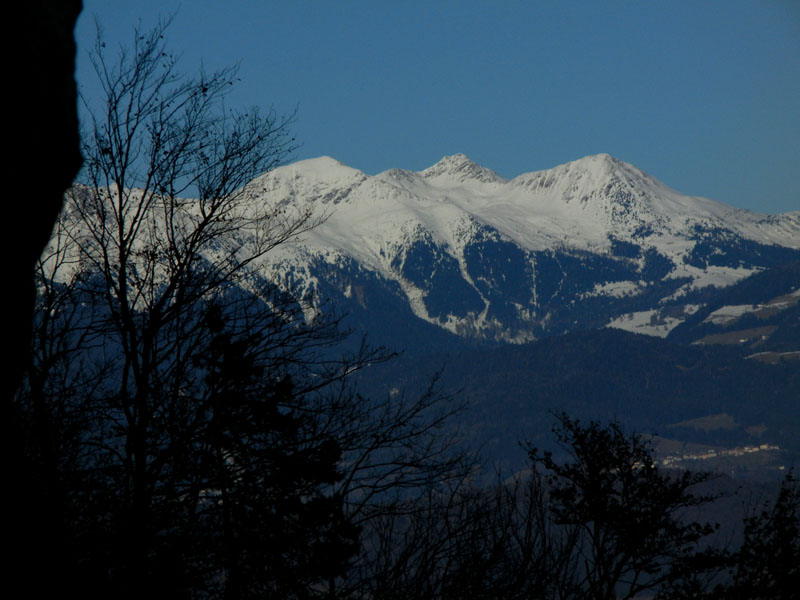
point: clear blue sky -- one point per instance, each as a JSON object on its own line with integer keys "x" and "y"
{"x": 703, "y": 95}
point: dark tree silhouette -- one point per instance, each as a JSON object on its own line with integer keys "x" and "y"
{"x": 624, "y": 511}
{"x": 767, "y": 565}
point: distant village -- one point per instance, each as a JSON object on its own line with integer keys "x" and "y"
{"x": 713, "y": 453}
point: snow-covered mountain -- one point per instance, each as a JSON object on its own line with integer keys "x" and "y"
{"x": 581, "y": 245}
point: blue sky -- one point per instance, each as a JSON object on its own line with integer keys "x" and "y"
{"x": 703, "y": 95}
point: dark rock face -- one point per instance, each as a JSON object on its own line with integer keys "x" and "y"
{"x": 45, "y": 158}
{"x": 46, "y": 153}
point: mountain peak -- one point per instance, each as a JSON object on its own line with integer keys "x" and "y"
{"x": 323, "y": 166}
{"x": 594, "y": 172}
{"x": 602, "y": 159}
{"x": 320, "y": 169}
{"x": 458, "y": 168}
{"x": 323, "y": 178}
{"x": 598, "y": 164}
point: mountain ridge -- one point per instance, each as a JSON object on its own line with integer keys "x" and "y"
{"x": 513, "y": 259}
{"x": 591, "y": 243}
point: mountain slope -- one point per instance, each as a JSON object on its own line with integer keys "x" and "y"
{"x": 760, "y": 315}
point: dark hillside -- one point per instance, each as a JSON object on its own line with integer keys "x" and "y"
{"x": 647, "y": 383}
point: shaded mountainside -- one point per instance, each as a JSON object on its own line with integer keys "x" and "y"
{"x": 759, "y": 314}
{"x": 647, "y": 383}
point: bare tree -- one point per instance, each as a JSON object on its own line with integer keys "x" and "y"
{"x": 179, "y": 365}
{"x": 200, "y": 426}
{"x": 469, "y": 540}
